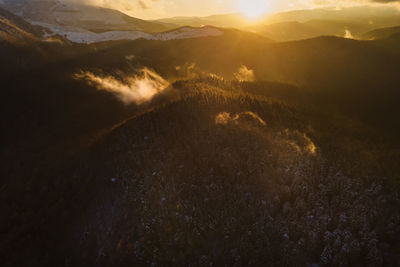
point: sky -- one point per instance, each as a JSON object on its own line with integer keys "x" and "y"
{"x": 153, "y": 9}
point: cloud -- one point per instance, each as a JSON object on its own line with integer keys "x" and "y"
{"x": 137, "y": 89}
{"x": 348, "y": 34}
{"x": 244, "y": 74}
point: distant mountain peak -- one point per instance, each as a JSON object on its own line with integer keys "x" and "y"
{"x": 87, "y": 17}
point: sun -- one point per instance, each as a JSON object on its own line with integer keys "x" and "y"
{"x": 253, "y": 8}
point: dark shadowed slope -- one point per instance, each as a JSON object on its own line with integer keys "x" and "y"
{"x": 14, "y": 29}
{"x": 219, "y": 175}
{"x": 18, "y": 43}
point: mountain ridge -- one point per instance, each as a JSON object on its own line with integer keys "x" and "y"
{"x": 79, "y": 15}
{"x": 381, "y": 33}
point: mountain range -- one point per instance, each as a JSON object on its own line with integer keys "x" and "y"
{"x": 127, "y": 142}
{"x": 83, "y": 23}
{"x": 303, "y": 24}
{"x": 88, "y": 24}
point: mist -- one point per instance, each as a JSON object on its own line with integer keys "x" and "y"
{"x": 348, "y": 34}
{"x": 137, "y": 89}
{"x": 244, "y": 74}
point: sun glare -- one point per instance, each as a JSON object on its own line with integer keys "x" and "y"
{"x": 253, "y": 8}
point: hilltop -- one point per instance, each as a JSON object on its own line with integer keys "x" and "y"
{"x": 211, "y": 162}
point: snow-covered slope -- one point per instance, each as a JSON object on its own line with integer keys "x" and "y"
{"x": 61, "y": 13}
{"x": 88, "y": 24}
{"x": 78, "y": 35}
